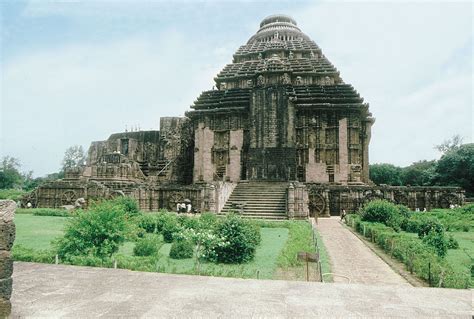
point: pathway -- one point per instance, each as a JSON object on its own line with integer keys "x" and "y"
{"x": 51, "y": 291}
{"x": 351, "y": 258}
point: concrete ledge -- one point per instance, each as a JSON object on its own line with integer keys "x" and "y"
{"x": 42, "y": 290}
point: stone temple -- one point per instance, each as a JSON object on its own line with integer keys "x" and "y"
{"x": 280, "y": 136}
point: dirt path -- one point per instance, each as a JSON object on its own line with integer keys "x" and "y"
{"x": 351, "y": 259}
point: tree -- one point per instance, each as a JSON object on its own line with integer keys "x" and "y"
{"x": 73, "y": 157}
{"x": 385, "y": 174}
{"x": 450, "y": 144}
{"x": 420, "y": 173}
{"x": 456, "y": 168}
{"x": 10, "y": 176}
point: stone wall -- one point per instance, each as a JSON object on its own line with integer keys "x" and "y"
{"x": 7, "y": 237}
{"x": 326, "y": 200}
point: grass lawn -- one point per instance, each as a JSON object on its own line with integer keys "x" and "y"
{"x": 275, "y": 257}
{"x": 264, "y": 263}
{"x": 463, "y": 257}
{"x": 37, "y": 232}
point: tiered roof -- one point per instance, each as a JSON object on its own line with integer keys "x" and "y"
{"x": 279, "y": 47}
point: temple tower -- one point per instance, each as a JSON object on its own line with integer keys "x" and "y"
{"x": 281, "y": 112}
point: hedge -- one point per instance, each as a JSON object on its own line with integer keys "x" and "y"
{"x": 419, "y": 257}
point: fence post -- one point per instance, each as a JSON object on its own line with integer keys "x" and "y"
{"x": 56, "y": 259}
{"x": 429, "y": 273}
{"x": 115, "y": 263}
{"x": 320, "y": 271}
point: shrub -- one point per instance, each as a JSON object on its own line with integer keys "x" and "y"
{"x": 429, "y": 225}
{"x": 438, "y": 241}
{"x": 169, "y": 228}
{"x": 164, "y": 218}
{"x": 147, "y": 246}
{"x": 404, "y": 211}
{"x": 147, "y": 222}
{"x": 188, "y": 222}
{"x": 129, "y": 205}
{"x": 208, "y": 221}
{"x": 379, "y": 211}
{"x": 98, "y": 232}
{"x": 241, "y": 239}
{"x": 465, "y": 228}
{"x": 181, "y": 249}
{"x": 452, "y": 242}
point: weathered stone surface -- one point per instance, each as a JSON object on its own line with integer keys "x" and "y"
{"x": 7, "y": 210}
{"x": 5, "y": 308}
{"x": 5, "y": 288}
{"x": 7, "y": 235}
{"x": 6, "y": 264}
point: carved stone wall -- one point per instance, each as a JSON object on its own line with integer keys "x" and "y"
{"x": 7, "y": 237}
{"x": 326, "y": 200}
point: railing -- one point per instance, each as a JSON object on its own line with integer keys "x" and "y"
{"x": 165, "y": 167}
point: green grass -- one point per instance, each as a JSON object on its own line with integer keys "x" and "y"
{"x": 281, "y": 241}
{"x": 462, "y": 258}
{"x": 37, "y": 232}
{"x": 262, "y": 266}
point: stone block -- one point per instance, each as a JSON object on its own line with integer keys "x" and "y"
{"x": 6, "y": 264}
{"x": 5, "y": 308}
{"x": 6, "y": 288}
{"x": 7, "y": 210}
{"x": 7, "y": 235}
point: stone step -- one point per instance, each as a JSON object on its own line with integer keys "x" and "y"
{"x": 258, "y": 206}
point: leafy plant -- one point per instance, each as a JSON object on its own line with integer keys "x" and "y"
{"x": 97, "y": 232}
{"x": 241, "y": 238}
{"x": 181, "y": 249}
{"x": 147, "y": 246}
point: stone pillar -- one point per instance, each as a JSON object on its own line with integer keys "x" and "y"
{"x": 7, "y": 237}
{"x": 290, "y": 203}
{"x": 343, "y": 152}
{"x": 365, "y": 157}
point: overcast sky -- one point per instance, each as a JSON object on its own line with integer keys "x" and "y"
{"x": 73, "y": 72}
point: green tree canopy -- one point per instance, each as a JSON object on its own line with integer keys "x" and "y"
{"x": 385, "y": 174}
{"x": 10, "y": 176}
{"x": 456, "y": 168}
{"x": 420, "y": 173}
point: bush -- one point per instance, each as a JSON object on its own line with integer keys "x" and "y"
{"x": 452, "y": 242}
{"x": 181, "y": 249}
{"x": 241, "y": 239}
{"x": 97, "y": 232}
{"x": 379, "y": 211}
{"x": 438, "y": 241}
{"x": 188, "y": 222}
{"x": 429, "y": 225}
{"x": 208, "y": 221}
{"x": 129, "y": 205}
{"x": 147, "y": 246}
{"x": 147, "y": 221}
{"x": 169, "y": 228}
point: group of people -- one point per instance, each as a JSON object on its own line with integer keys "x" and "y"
{"x": 184, "y": 207}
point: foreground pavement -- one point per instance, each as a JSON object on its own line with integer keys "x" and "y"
{"x": 41, "y": 290}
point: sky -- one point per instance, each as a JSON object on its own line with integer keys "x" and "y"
{"x": 73, "y": 72}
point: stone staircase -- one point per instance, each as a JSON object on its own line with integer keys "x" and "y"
{"x": 259, "y": 200}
